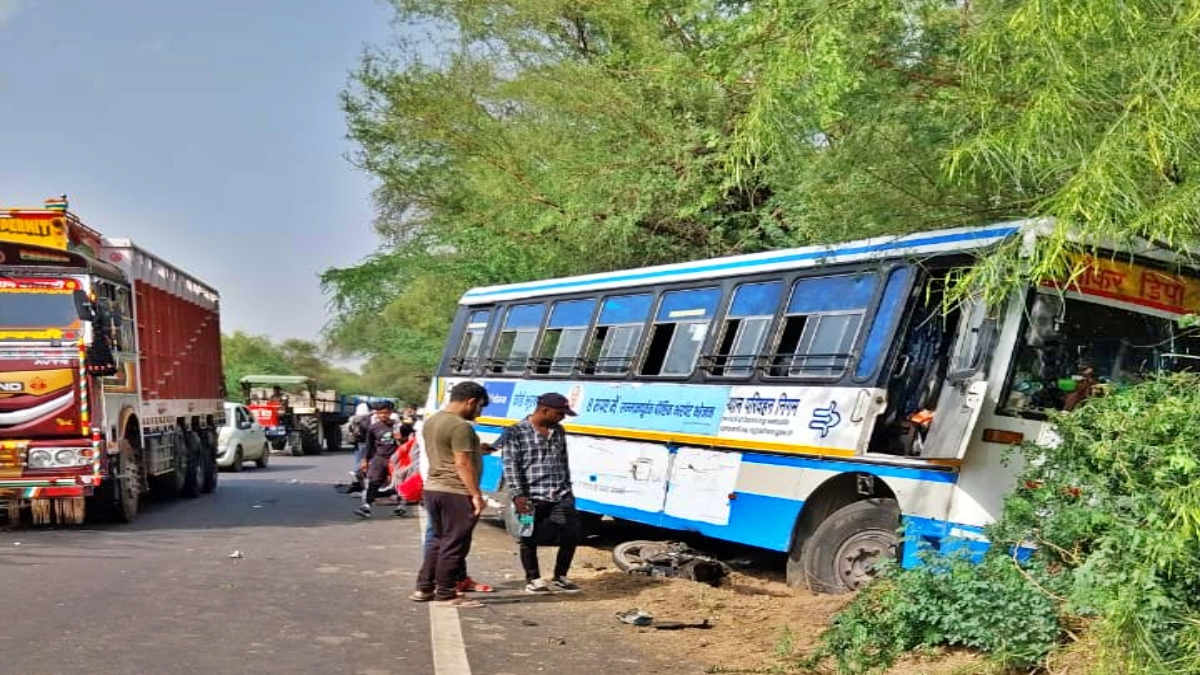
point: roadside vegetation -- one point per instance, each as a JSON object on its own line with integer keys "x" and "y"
{"x": 524, "y": 139}
{"x": 1113, "y": 512}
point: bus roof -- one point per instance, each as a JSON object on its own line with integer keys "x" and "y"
{"x": 919, "y": 244}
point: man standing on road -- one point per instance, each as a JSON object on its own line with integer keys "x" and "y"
{"x": 539, "y": 484}
{"x": 380, "y": 443}
{"x": 452, "y": 498}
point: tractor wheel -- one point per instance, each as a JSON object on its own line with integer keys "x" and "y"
{"x": 310, "y": 434}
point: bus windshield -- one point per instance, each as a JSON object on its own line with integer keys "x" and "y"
{"x": 1095, "y": 347}
{"x": 21, "y": 309}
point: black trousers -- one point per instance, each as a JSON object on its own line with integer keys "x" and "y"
{"x": 553, "y": 523}
{"x": 453, "y": 518}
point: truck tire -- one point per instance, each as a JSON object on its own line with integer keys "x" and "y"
{"x": 333, "y": 436}
{"x": 208, "y": 461}
{"x": 841, "y": 554}
{"x": 310, "y": 434}
{"x": 194, "y": 478}
{"x": 118, "y": 497}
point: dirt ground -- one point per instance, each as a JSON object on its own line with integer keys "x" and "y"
{"x": 759, "y": 623}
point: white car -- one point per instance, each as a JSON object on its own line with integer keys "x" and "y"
{"x": 242, "y": 439}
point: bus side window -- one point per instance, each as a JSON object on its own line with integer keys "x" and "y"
{"x": 617, "y": 335}
{"x": 517, "y": 338}
{"x": 821, "y": 325}
{"x": 562, "y": 341}
{"x": 680, "y": 327}
{"x": 745, "y": 330}
{"x": 467, "y": 355}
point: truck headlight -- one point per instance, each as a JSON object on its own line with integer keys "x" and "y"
{"x": 66, "y": 458}
{"x": 40, "y": 459}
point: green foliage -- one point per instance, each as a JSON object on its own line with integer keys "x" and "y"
{"x": 245, "y": 354}
{"x": 997, "y": 606}
{"x": 1114, "y": 512}
{"x": 533, "y": 138}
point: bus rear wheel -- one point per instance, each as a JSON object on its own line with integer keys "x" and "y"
{"x": 845, "y": 550}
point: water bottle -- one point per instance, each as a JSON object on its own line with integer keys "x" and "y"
{"x": 525, "y": 525}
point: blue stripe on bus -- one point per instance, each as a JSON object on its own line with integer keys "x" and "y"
{"x": 755, "y": 520}
{"x": 648, "y": 275}
{"x": 882, "y": 470}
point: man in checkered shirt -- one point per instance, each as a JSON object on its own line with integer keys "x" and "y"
{"x": 539, "y": 483}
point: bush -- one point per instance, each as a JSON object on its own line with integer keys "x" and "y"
{"x": 1114, "y": 511}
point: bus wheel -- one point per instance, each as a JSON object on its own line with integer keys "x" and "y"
{"x": 844, "y": 551}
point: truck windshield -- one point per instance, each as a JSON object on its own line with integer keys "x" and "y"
{"x": 1097, "y": 345}
{"x": 36, "y": 309}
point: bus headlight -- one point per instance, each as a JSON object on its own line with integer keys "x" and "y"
{"x": 40, "y": 459}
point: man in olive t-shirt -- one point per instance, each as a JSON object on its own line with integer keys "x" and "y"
{"x": 453, "y": 500}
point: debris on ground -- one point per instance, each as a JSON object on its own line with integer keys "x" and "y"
{"x": 237, "y": 554}
{"x": 668, "y": 559}
{"x": 635, "y": 617}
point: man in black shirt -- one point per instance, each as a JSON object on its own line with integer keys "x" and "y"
{"x": 380, "y": 443}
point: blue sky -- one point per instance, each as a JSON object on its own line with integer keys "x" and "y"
{"x": 208, "y": 131}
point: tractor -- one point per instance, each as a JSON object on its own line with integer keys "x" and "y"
{"x": 296, "y": 416}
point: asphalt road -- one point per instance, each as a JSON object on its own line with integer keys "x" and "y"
{"x": 313, "y": 591}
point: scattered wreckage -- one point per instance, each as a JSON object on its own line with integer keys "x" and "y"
{"x": 668, "y": 559}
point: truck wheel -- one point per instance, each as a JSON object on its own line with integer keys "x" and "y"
{"x": 118, "y": 497}
{"x": 208, "y": 461}
{"x": 310, "y": 434}
{"x": 194, "y": 478}
{"x": 844, "y": 550}
{"x": 333, "y": 436}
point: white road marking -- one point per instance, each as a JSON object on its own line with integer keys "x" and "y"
{"x": 445, "y": 631}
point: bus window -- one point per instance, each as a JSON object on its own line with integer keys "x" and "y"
{"x": 517, "y": 337}
{"x": 563, "y": 338}
{"x": 618, "y": 334}
{"x": 467, "y": 356}
{"x": 744, "y": 333}
{"x": 820, "y": 326}
{"x": 680, "y": 327}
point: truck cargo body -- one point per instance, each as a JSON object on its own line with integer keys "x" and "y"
{"x": 110, "y": 372}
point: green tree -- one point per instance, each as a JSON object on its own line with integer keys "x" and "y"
{"x": 531, "y": 138}
{"x": 245, "y": 354}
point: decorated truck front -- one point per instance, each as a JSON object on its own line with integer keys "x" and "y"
{"x": 110, "y": 373}
{"x": 50, "y": 459}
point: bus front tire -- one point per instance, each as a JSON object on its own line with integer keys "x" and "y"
{"x": 843, "y": 552}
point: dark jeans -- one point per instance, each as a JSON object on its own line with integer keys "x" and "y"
{"x": 553, "y": 522}
{"x": 461, "y": 574}
{"x": 376, "y": 477}
{"x": 453, "y": 518}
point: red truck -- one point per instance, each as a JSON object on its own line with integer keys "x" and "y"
{"x": 110, "y": 372}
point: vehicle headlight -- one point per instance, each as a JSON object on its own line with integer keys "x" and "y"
{"x": 40, "y": 459}
{"x": 65, "y": 458}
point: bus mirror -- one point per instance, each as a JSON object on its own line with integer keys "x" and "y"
{"x": 1045, "y": 320}
{"x": 83, "y": 307}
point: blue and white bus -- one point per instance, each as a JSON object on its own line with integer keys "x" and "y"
{"x": 814, "y": 400}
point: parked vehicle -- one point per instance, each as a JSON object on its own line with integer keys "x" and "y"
{"x": 299, "y": 419}
{"x": 110, "y": 372}
{"x": 241, "y": 440}
{"x": 813, "y": 401}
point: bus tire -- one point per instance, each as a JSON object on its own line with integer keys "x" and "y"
{"x": 842, "y": 553}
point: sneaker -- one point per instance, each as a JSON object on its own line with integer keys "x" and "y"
{"x": 538, "y": 587}
{"x": 564, "y": 585}
{"x": 363, "y": 511}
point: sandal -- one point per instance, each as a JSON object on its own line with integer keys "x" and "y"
{"x": 420, "y": 596}
{"x": 469, "y": 585}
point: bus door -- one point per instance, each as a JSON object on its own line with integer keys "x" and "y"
{"x": 952, "y": 421}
